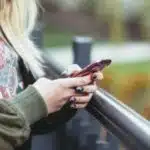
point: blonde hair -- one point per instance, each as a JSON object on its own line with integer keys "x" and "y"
{"x": 17, "y": 20}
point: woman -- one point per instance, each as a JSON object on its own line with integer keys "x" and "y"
{"x": 21, "y": 64}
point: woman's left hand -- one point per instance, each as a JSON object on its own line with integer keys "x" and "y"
{"x": 82, "y": 97}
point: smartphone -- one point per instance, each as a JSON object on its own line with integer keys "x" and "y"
{"x": 92, "y": 68}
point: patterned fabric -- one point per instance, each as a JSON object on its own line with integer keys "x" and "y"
{"x": 9, "y": 75}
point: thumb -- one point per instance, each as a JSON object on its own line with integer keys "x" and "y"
{"x": 71, "y": 69}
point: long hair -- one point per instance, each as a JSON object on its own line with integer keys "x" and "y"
{"x": 17, "y": 20}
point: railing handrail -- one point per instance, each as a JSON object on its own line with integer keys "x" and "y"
{"x": 131, "y": 128}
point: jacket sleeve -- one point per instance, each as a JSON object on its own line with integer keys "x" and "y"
{"x": 17, "y": 115}
{"x": 55, "y": 120}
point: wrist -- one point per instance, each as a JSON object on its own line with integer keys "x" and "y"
{"x": 41, "y": 85}
{"x": 31, "y": 104}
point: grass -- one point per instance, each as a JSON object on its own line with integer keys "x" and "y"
{"x": 130, "y": 68}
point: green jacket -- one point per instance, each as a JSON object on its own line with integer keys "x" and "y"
{"x": 17, "y": 115}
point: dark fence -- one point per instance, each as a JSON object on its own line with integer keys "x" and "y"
{"x": 84, "y": 130}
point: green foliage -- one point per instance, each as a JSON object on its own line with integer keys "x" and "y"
{"x": 54, "y": 37}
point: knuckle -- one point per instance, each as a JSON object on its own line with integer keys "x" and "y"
{"x": 68, "y": 93}
{"x": 71, "y": 92}
{"x": 82, "y": 81}
{"x": 84, "y": 99}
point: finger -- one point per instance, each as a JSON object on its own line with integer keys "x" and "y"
{"x": 90, "y": 88}
{"x": 75, "y": 82}
{"x": 78, "y": 106}
{"x": 86, "y": 89}
{"x": 81, "y": 99}
{"x": 97, "y": 76}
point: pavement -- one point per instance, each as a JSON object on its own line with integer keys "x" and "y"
{"x": 119, "y": 53}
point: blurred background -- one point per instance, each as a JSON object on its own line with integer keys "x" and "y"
{"x": 120, "y": 30}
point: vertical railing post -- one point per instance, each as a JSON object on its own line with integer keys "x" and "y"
{"x": 82, "y": 50}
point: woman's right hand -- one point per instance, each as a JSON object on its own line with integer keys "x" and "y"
{"x": 56, "y": 93}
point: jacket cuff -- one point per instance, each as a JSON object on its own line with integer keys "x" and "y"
{"x": 31, "y": 104}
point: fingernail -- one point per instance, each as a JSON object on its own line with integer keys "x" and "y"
{"x": 72, "y": 99}
{"x": 100, "y": 76}
{"x": 94, "y": 77}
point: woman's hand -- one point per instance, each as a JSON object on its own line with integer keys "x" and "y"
{"x": 81, "y": 100}
{"x": 57, "y": 93}
{"x": 86, "y": 92}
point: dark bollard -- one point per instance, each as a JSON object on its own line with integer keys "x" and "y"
{"x": 82, "y": 50}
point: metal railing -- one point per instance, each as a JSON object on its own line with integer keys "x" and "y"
{"x": 123, "y": 122}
